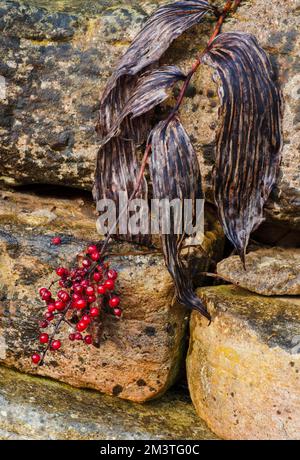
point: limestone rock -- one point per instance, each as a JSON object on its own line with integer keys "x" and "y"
{"x": 34, "y": 409}
{"x": 274, "y": 271}
{"x": 56, "y": 62}
{"x": 139, "y": 356}
{"x": 244, "y": 369}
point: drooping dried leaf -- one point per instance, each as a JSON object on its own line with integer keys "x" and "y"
{"x": 167, "y": 23}
{"x": 175, "y": 174}
{"x": 249, "y": 139}
{"x": 150, "y": 91}
{"x": 118, "y": 160}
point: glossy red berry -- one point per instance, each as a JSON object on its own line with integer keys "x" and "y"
{"x": 78, "y": 289}
{"x": 86, "y": 263}
{"x": 85, "y": 283}
{"x": 97, "y": 277}
{"x": 72, "y": 337}
{"x": 114, "y": 301}
{"x": 88, "y": 339}
{"x": 35, "y": 358}
{"x": 60, "y": 271}
{"x": 44, "y": 338}
{"x": 95, "y": 256}
{"x": 56, "y": 241}
{"x": 118, "y": 312}
{"x": 109, "y": 284}
{"x": 42, "y": 291}
{"x": 60, "y": 305}
{"x": 44, "y": 324}
{"x": 49, "y": 316}
{"x": 56, "y": 344}
{"x": 92, "y": 248}
{"x": 51, "y": 307}
{"x": 91, "y": 299}
{"x": 90, "y": 290}
{"x": 101, "y": 289}
{"x": 80, "y": 304}
{"x": 78, "y": 336}
{"x": 76, "y": 297}
{"x": 46, "y": 296}
{"x": 94, "y": 311}
{"x": 64, "y": 296}
{"x": 61, "y": 283}
{"x": 81, "y": 326}
{"x": 112, "y": 274}
{"x": 86, "y": 319}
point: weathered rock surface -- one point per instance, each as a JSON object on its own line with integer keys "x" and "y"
{"x": 244, "y": 369}
{"x": 56, "y": 65}
{"x": 139, "y": 356}
{"x": 34, "y": 408}
{"x": 274, "y": 271}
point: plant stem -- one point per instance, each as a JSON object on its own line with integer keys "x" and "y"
{"x": 197, "y": 63}
{"x": 61, "y": 319}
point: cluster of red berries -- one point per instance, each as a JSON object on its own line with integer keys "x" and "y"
{"x": 86, "y": 292}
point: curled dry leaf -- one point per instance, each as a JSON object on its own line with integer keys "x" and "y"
{"x": 167, "y": 23}
{"x": 175, "y": 175}
{"x": 150, "y": 91}
{"x": 249, "y": 139}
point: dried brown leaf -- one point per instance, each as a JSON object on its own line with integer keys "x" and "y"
{"x": 175, "y": 174}
{"x": 249, "y": 139}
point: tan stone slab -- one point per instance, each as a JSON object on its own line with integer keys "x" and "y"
{"x": 244, "y": 369}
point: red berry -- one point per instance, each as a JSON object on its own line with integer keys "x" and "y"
{"x": 99, "y": 268}
{"x": 101, "y": 289}
{"x": 94, "y": 311}
{"x": 56, "y": 240}
{"x": 78, "y": 336}
{"x": 49, "y": 316}
{"x": 60, "y": 271}
{"x": 43, "y": 324}
{"x": 92, "y": 248}
{"x": 112, "y": 274}
{"x": 51, "y": 307}
{"x": 114, "y": 301}
{"x": 80, "y": 304}
{"x": 76, "y": 296}
{"x": 117, "y": 312}
{"x": 81, "y": 326}
{"x": 46, "y": 295}
{"x": 42, "y": 291}
{"x": 85, "y": 283}
{"x": 86, "y": 319}
{"x": 91, "y": 299}
{"x": 56, "y": 344}
{"x": 59, "y": 305}
{"x": 97, "y": 277}
{"x": 78, "y": 289}
{"x": 72, "y": 337}
{"x": 109, "y": 284}
{"x": 95, "y": 256}
{"x": 86, "y": 263}
{"x": 44, "y": 338}
{"x": 90, "y": 290}
{"x": 88, "y": 339}
{"x": 63, "y": 295}
{"x": 35, "y": 358}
